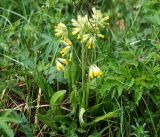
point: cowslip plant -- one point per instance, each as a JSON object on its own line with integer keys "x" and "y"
{"x": 85, "y": 31}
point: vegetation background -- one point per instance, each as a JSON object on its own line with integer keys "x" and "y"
{"x": 124, "y": 102}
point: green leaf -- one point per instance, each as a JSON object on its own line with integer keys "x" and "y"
{"x": 6, "y": 129}
{"x": 131, "y": 83}
{"x": 100, "y": 108}
{"x": 112, "y": 114}
{"x": 73, "y": 99}
{"x": 63, "y": 118}
{"x": 137, "y": 96}
{"x": 42, "y": 66}
{"x": 108, "y": 86}
{"x": 120, "y": 90}
{"x": 47, "y": 119}
{"x": 26, "y": 130}
{"x": 56, "y": 99}
{"x": 7, "y": 119}
{"x": 75, "y": 71}
{"x": 44, "y": 85}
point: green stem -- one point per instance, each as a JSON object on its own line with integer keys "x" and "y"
{"x": 69, "y": 79}
{"x": 87, "y": 92}
{"x": 83, "y": 104}
{"x": 88, "y": 82}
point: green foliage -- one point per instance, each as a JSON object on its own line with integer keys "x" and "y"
{"x": 139, "y": 130}
{"x": 56, "y": 99}
{"x": 9, "y": 119}
{"x": 125, "y": 101}
{"x": 6, "y": 118}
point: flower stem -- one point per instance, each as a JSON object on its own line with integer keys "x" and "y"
{"x": 83, "y": 104}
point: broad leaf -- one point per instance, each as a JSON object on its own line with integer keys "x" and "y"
{"x": 56, "y": 99}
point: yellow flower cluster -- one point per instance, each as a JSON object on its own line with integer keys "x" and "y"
{"x": 88, "y": 29}
{"x": 94, "y": 72}
{"x": 62, "y": 32}
{"x": 80, "y": 25}
{"x": 98, "y": 20}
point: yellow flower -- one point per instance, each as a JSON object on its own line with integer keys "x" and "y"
{"x": 90, "y": 43}
{"x": 59, "y": 66}
{"x": 60, "y": 62}
{"x": 101, "y": 36}
{"x": 65, "y": 50}
{"x": 96, "y": 14}
{"x": 94, "y": 71}
{"x": 61, "y": 31}
{"x": 80, "y": 24}
{"x": 67, "y": 42}
{"x": 79, "y": 36}
{"x": 107, "y": 17}
{"x": 91, "y": 73}
{"x": 90, "y": 40}
{"x": 85, "y": 37}
{"x": 98, "y": 20}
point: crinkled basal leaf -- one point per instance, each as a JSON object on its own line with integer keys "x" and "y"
{"x": 56, "y": 99}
